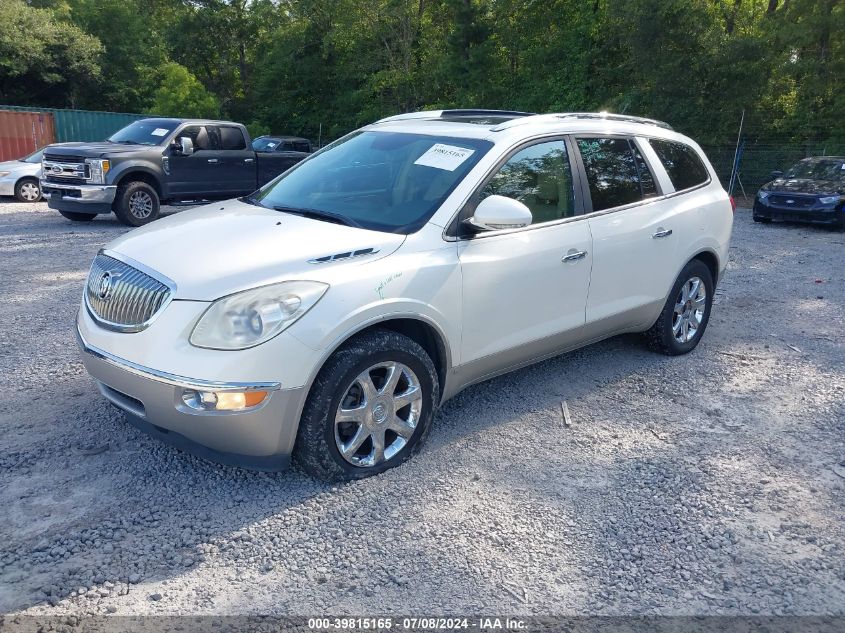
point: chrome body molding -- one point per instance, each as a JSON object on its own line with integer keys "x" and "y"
{"x": 196, "y": 384}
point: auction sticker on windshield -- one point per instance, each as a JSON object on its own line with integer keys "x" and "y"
{"x": 447, "y": 157}
{"x": 159, "y": 131}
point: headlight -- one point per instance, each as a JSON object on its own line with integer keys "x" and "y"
{"x": 3, "y": 174}
{"x": 251, "y": 317}
{"x": 762, "y": 195}
{"x": 830, "y": 199}
{"x": 98, "y": 169}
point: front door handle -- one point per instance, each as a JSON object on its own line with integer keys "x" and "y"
{"x": 212, "y": 160}
{"x": 662, "y": 233}
{"x": 574, "y": 256}
{"x": 248, "y": 160}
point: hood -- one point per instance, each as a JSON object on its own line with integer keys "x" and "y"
{"x": 18, "y": 165}
{"x": 95, "y": 149}
{"x": 805, "y": 185}
{"x": 221, "y": 248}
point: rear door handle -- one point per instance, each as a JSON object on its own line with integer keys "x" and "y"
{"x": 662, "y": 233}
{"x": 574, "y": 256}
{"x": 212, "y": 160}
{"x": 248, "y": 160}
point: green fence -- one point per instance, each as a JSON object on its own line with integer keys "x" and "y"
{"x": 82, "y": 125}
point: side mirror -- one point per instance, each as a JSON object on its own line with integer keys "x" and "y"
{"x": 775, "y": 175}
{"x": 186, "y": 146}
{"x": 496, "y": 213}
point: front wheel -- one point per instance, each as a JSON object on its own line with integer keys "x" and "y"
{"x": 28, "y": 190}
{"x": 136, "y": 203}
{"x": 369, "y": 409}
{"x": 685, "y": 315}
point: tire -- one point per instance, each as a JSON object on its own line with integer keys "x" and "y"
{"x": 321, "y": 434}
{"x": 28, "y": 190}
{"x": 757, "y": 218}
{"x": 136, "y": 203}
{"x": 669, "y": 335}
{"x": 78, "y": 217}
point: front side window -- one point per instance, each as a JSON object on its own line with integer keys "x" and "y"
{"x": 385, "y": 181}
{"x": 145, "y": 132}
{"x": 540, "y": 177}
{"x": 682, "y": 163}
{"x": 203, "y": 137}
{"x": 616, "y": 172}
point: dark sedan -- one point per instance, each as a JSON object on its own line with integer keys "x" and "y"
{"x": 812, "y": 190}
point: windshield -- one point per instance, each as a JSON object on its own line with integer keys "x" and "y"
{"x": 385, "y": 181}
{"x": 818, "y": 169}
{"x": 265, "y": 144}
{"x": 145, "y": 132}
{"x": 35, "y": 157}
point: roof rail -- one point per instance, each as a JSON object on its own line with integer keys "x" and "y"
{"x": 614, "y": 117}
{"x": 512, "y": 114}
{"x": 457, "y": 114}
{"x": 596, "y": 116}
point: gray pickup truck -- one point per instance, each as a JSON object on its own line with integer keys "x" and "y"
{"x": 155, "y": 161}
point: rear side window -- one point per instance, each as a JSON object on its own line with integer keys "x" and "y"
{"x": 682, "y": 163}
{"x": 616, "y": 172}
{"x": 301, "y": 146}
{"x": 231, "y": 138}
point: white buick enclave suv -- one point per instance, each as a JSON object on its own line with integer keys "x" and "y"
{"x": 326, "y": 316}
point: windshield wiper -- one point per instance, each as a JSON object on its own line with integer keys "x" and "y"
{"x": 251, "y": 200}
{"x": 316, "y": 214}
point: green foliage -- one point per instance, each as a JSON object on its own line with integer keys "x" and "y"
{"x": 323, "y": 67}
{"x": 44, "y": 57}
{"x": 180, "y": 94}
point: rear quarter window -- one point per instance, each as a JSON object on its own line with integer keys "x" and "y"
{"x": 681, "y": 162}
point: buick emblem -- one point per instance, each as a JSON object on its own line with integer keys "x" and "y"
{"x": 105, "y": 286}
{"x": 56, "y": 169}
{"x": 790, "y": 202}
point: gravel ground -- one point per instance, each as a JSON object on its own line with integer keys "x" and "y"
{"x": 706, "y": 484}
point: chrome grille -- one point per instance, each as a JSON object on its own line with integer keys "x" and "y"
{"x": 121, "y": 297}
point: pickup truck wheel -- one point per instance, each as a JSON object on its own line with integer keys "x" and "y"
{"x": 686, "y": 313}
{"x": 28, "y": 190}
{"x": 369, "y": 409}
{"x": 78, "y": 217}
{"x": 136, "y": 204}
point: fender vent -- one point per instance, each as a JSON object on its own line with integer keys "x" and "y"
{"x": 341, "y": 256}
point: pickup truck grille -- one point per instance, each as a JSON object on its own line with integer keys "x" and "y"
{"x": 66, "y": 169}
{"x": 63, "y": 158}
{"x": 120, "y": 297}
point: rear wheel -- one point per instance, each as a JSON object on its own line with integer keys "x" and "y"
{"x": 370, "y": 408}
{"x": 78, "y": 217}
{"x": 685, "y": 315}
{"x": 136, "y": 203}
{"x": 28, "y": 190}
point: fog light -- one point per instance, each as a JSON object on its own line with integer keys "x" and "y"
{"x": 222, "y": 400}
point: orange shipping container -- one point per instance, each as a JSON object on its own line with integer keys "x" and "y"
{"x": 22, "y": 133}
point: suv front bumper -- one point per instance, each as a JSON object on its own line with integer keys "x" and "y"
{"x": 259, "y": 438}
{"x": 79, "y": 198}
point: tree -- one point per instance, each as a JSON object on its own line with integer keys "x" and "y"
{"x": 43, "y": 59}
{"x": 180, "y": 94}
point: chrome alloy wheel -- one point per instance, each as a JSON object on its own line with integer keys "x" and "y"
{"x": 141, "y": 205}
{"x": 30, "y": 191}
{"x": 689, "y": 310}
{"x": 378, "y": 414}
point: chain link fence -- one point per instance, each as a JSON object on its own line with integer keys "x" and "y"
{"x": 757, "y": 160}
